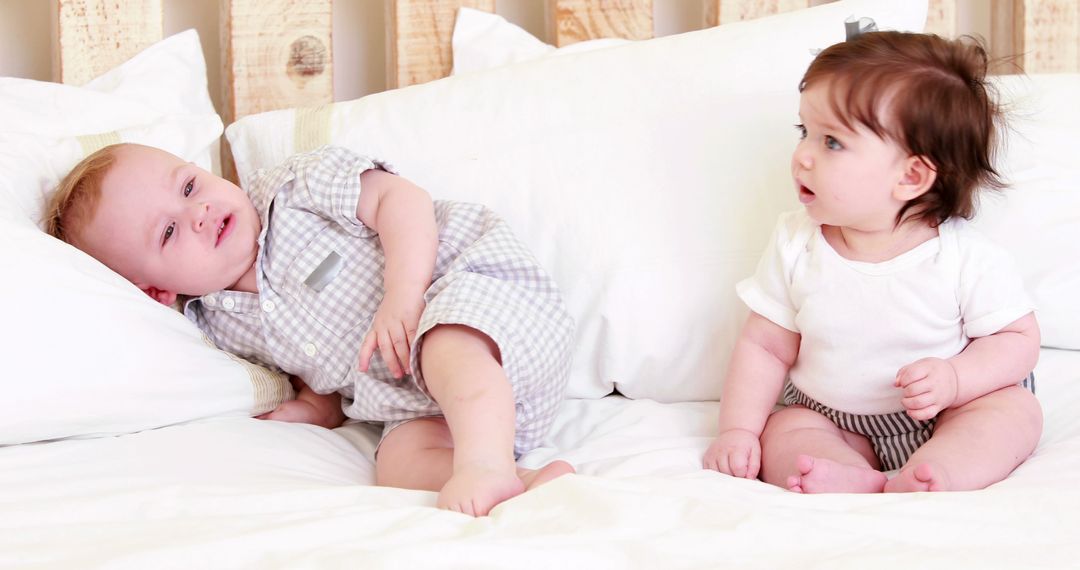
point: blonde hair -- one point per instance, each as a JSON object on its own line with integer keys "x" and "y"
{"x": 76, "y": 199}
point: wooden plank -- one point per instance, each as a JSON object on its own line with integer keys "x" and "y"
{"x": 277, "y": 54}
{"x": 1049, "y": 40}
{"x": 1006, "y": 40}
{"x": 420, "y": 35}
{"x": 720, "y": 12}
{"x": 95, "y": 36}
{"x": 579, "y": 20}
{"x": 941, "y": 18}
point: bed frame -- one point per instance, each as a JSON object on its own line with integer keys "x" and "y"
{"x": 277, "y": 53}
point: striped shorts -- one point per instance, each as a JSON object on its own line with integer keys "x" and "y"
{"x": 894, "y": 436}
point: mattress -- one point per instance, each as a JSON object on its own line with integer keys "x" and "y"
{"x": 232, "y": 492}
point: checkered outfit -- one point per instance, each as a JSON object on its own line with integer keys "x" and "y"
{"x": 894, "y": 436}
{"x": 311, "y": 314}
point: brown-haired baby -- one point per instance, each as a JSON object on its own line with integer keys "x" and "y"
{"x": 900, "y": 338}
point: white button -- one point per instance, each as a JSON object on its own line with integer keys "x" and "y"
{"x": 268, "y": 306}
{"x": 228, "y": 303}
{"x": 309, "y": 349}
{"x": 210, "y": 300}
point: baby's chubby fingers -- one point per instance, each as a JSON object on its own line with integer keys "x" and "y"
{"x": 400, "y": 341}
{"x": 712, "y": 458}
{"x": 739, "y": 462}
{"x": 911, "y": 373}
{"x": 918, "y": 402}
{"x": 716, "y": 458}
{"x": 744, "y": 463}
{"x": 390, "y": 356}
{"x": 367, "y": 349}
{"x": 924, "y": 414}
{"x": 733, "y": 459}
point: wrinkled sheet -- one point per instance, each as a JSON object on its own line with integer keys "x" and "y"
{"x": 238, "y": 492}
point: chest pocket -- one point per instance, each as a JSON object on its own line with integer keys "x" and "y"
{"x": 337, "y": 282}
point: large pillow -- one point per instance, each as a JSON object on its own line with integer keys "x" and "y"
{"x": 483, "y": 40}
{"x": 646, "y": 177}
{"x": 87, "y": 353}
{"x": 1038, "y": 217}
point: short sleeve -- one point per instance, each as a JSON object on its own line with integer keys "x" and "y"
{"x": 325, "y": 181}
{"x": 768, "y": 291}
{"x": 328, "y": 183}
{"x": 991, "y": 289}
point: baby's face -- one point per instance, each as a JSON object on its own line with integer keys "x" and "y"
{"x": 170, "y": 226}
{"x": 845, "y": 177}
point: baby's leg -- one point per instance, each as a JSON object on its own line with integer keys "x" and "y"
{"x": 974, "y": 445}
{"x": 463, "y": 372}
{"x": 420, "y": 455}
{"x": 416, "y": 455}
{"x": 803, "y": 451}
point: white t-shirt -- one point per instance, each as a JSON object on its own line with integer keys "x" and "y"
{"x": 861, "y": 322}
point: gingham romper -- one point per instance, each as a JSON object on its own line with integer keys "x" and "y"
{"x": 320, "y": 281}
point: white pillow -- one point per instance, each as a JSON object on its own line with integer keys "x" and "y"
{"x": 483, "y": 40}
{"x": 1038, "y": 217}
{"x": 86, "y": 353}
{"x": 158, "y": 98}
{"x": 645, "y": 177}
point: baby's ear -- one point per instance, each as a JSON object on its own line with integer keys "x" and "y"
{"x": 919, "y": 177}
{"x": 166, "y": 298}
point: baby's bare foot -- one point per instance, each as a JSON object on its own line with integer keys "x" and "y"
{"x": 535, "y": 477}
{"x": 476, "y": 490}
{"x": 922, "y": 478}
{"x": 818, "y": 475}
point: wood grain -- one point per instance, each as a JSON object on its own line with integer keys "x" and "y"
{"x": 1049, "y": 39}
{"x": 941, "y": 18}
{"x": 579, "y": 20}
{"x": 95, "y": 36}
{"x": 420, "y": 34}
{"x": 720, "y": 12}
{"x": 277, "y": 54}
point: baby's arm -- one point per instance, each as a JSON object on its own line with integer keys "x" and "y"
{"x": 404, "y": 217}
{"x": 763, "y": 355}
{"x": 309, "y": 407}
{"x": 987, "y": 364}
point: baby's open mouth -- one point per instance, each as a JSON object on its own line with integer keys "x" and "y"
{"x": 805, "y": 194}
{"x": 223, "y": 230}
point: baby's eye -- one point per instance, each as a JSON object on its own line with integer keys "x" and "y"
{"x": 801, "y": 129}
{"x": 832, "y": 144}
{"x": 168, "y": 233}
{"x": 189, "y": 187}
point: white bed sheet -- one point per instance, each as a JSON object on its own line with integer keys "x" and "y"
{"x": 235, "y": 492}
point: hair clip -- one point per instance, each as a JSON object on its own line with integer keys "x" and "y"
{"x": 853, "y": 28}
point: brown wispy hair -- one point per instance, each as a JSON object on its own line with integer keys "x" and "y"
{"x": 930, "y": 95}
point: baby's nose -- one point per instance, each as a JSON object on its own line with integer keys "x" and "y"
{"x": 802, "y": 158}
{"x": 199, "y": 216}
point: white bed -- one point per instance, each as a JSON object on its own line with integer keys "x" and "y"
{"x": 126, "y": 442}
{"x": 236, "y": 492}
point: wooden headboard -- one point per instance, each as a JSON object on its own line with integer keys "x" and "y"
{"x": 278, "y": 53}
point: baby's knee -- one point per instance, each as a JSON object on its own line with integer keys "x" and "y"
{"x": 1014, "y": 406}
{"x": 1027, "y": 409}
{"x": 456, "y": 340}
{"x": 785, "y": 420}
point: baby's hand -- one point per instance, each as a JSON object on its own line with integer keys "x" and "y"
{"x": 736, "y": 452}
{"x": 393, "y": 329}
{"x": 930, "y": 386}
